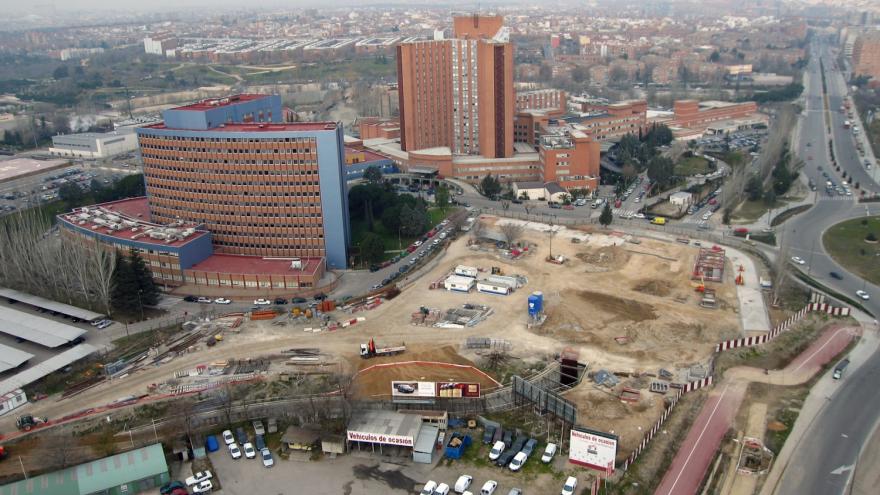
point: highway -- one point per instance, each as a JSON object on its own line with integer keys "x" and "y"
{"x": 823, "y": 461}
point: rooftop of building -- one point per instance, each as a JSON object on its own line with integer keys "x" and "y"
{"x": 95, "y": 135}
{"x": 256, "y": 265}
{"x": 16, "y": 167}
{"x": 259, "y": 127}
{"x": 716, "y": 104}
{"x": 210, "y": 103}
{"x": 97, "y": 476}
{"x": 127, "y": 219}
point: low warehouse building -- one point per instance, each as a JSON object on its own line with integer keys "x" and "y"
{"x": 132, "y": 472}
{"x": 394, "y": 433}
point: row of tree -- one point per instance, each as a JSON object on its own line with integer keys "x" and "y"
{"x": 132, "y": 285}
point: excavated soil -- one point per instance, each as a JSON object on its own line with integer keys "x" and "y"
{"x": 624, "y": 309}
{"x": 661, "y": 288}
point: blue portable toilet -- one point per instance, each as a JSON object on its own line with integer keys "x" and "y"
{"x": 211, "y": 444}
{"x": 536, "y": 303}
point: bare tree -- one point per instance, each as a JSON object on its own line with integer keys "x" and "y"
{"x": 478, "y": 229}
{"x": 511, "y": 232}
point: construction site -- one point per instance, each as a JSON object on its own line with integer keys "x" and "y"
{"x": 629, "y": 308}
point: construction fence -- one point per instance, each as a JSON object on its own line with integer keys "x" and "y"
{"x": 726, "y": 346}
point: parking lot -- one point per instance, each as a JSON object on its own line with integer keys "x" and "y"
{"x": 354, "y": 474}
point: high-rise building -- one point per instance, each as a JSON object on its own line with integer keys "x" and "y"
{"x": 261, "y": 187}
{"x": 866, "y": 55}
{"x": 458, "y": 93}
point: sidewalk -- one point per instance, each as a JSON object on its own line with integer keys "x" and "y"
{"x": 716, "y": 416}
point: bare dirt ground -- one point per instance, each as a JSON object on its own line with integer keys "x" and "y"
{"x": 607, "y": 288}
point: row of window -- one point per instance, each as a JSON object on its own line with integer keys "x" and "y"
{"x": 304, "y": 140}
{"x": 225, "y": 282}
{"x": 157, "y": 160}
{"x": 177, "y": 185}
{"x": 226, "y": 151}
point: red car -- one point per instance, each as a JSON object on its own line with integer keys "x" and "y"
{"x": 568, "y": 207}
{"x": 431, "y": 233}
{"x": 410, "y": 249}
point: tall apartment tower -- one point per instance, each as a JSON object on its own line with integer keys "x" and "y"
{"x": 866, "y": 55}
{"x": 458, "y": 93}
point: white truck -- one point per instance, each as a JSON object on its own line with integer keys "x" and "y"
{"x": 369, "y": 350}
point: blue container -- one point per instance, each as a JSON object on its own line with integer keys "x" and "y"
{"x": 536, "y": 303}
{"x": 211, "y": 444}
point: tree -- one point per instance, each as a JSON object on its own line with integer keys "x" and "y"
{"x": 441, "y": 196}
{"x": 511, "y": 231}
{"x": 580, "y": 74}
{"x": 770, "y": 197}
{"x": 490, "y": 186}
{"x": 60, "y": 72}
{"x": 754, "y": 188}
{"x": 148, "y": 293}
{"x": 413, "y": 221}
{"x": 71, "y": 193}
{"x": 661, "y": 171}
{"x": 123, "y": 297}
{"x": 605, "y": 218}
{"x": 373, "y": 174}
{"x": 372, "y": 248}
{"x": 715, "y": 57}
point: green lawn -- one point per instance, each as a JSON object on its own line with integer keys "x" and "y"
{"x": 845, "y": 242}
{"x": 393, "y": 244}
{"x": 692, "y": 165}
{"x": 749, "y": 211}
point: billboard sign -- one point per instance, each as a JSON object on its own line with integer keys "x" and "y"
{"x": 413, "y": 389}
{"x": 457, "y": 390}
{"x": 361, "y": 436}
{"x": 593, "y": 449}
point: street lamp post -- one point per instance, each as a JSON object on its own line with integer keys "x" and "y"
{"x": 141, "y": 304}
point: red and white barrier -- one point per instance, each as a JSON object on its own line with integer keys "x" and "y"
{"x": 782, "y": 327}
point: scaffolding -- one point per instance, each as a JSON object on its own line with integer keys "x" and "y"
{"x": 709, "y": 265}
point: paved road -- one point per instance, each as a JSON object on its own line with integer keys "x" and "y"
{"x": 836, "y": 436}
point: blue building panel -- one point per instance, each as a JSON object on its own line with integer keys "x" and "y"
{"x": 355, "y": 171}
{"x": 334, "y": 197}
{"x": 211, "y": 113}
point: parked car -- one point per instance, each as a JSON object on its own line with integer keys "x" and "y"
{"x": 259, "y": 442}
{"x": 529, "y": 447}
{"x": 191, "y": 299}
{"x": 298, "y": 300}
{"x": 222, "y": 300}
{"x": 199, "y": 477}
{"x": 489, "y": 487}
{"x": 864, "y": 295}
{"x": 488, "y": 433}
{"x": 496, "y": 451}
{"x": 241, "y": 435}
{"x": 429, "y": 487}
{"x": 798, "y": 260}
{"x": 234, "y": 451}
{"x": 205, "y": 300}
{"x": 549, "y": 452}
{"x": 249, "y": 451}
{"x": 442, "y": 489}
{"x": 464, "y": 481}
{"x": 170, "y": 488}
{"x": 514, "y": 491}
{"x": 320, "y": 296}
{"x": 570, "y": 486}
{"x": 262, "y": 302}
{"x": 835, "y": 275}
{"x": 203, "y": 487}
{"x": 258, "y": 427}
{"x": 280, "y": 300}
{"x": 104, "y": 324}
{"x": 519, "y": 460}
{"x": 228, "y": 438}
{"x": 266, "y": 456}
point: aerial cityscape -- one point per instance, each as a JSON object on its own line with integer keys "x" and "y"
{"x": 480, "y": 248}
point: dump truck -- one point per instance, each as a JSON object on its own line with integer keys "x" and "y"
{"x": 27, "y": 422}
{"x": 370, "y": 349}
{"x": 457, "y": 445}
